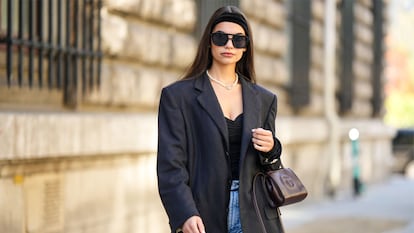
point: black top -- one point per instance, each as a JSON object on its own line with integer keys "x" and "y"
{"x": 235, "y": 133}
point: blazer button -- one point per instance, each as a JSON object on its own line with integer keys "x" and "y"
{"x": 227, "y": 153}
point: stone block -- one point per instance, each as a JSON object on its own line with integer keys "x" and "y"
{"x": 184, "y": 48}
{"x": 362, "y": 70}
{"x": 280, "y": 72}
{"x": 315, "y": 108}
{"x": 364, "y": 33}
{"x": 318, "y": 10}
{"x": 363, "y": 90}
{"x": 296, "y": 130}
{"x": 92, "y": 203}
{"x": 43, "y": 198}
{"x": 256, "y": 9}
{"x": 103, "y": 93}
{"x": 263, "y": 66}
{"x": 317, "y": 78}
{"x": 310, "y": 163}
{"x": 168, "y": 78}
{"x": 12, "y": 214}
{"x": 275, "y": 14}
{"x": 114, "y": 33}
{"x": 151, "y": 9}
{"x": 269, "y": 40}
{"x": 317, "y": 55}
{"x": 316, "y": 32}
{"x": 74, "y": 134}
{"x": 7, "y": 136}
{"x": 148, "y": 87}
{"x": 247, "y": 7}
{"x": 123, "y": 85}
{"x": 271, "y": 70}
{"x": 283, "y": 107}
{"x": 147, "y": 44}
{"x": 119, "y": 196}
{"x": 131, "y": 6}
{"x": 362, "y": 108}
{"x": 363, "y": 14}
{"x": 181, "y": 14}
{"x": 277, "y": 43}
{"x": 363, "y": 52}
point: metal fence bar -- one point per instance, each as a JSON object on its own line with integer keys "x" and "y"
{"x": 63, "y": 35}
{"x": 67, "y": 45}
{"x": 59, "y": 45}
{"x": 31, "y": 41}
{"x": 50, "y": 45}
{"x": 21, "y": 43}
{"x": 9, "y": 42}
{"x": 83, "y": 71}
{"x": 75, "y": 54}
{"x": 377, "y": 66}
{"x": 91, "y": 55}
{"x": 99, "y": 43}
{"x": 40, "y": 41}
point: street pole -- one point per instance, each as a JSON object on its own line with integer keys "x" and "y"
{"x": 356, "y": 171}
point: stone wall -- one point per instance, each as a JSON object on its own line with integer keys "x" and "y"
{"x": 104, "y": 194}
{"x": 93, "y": 169}
{"x": 147, "y": 45}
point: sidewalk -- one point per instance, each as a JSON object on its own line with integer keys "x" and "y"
{"x": 382, "y": 208}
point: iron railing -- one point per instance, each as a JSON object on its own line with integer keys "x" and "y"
{"x": 62, "y": 35}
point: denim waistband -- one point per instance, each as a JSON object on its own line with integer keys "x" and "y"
{"x": 235, "y": 185}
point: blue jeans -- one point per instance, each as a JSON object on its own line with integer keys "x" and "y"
{"x": 233, "y": 219}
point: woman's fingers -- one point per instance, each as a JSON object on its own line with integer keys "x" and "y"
{"x": 193, "y": 225}
{"x": 262, "y": 139}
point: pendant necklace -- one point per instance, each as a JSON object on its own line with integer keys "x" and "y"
{"x": 226, "y": 86}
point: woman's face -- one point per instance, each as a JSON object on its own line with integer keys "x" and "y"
{"x": 227, "y": 54}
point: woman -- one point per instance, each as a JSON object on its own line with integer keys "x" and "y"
{"x": 216, "y": 131}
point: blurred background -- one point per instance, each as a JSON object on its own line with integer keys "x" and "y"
{"x": 80, "y": 82}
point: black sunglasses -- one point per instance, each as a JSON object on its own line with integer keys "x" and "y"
{"x": 221, "y": 38}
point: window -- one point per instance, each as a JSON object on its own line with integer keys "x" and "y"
{"x": 53, "y": 43}
{"x": 346, "y": 91}
{"x": 300, "y": 17}
{"x": 377, "y": 67}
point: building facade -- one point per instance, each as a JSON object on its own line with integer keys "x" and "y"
{"x": 80, "y": 83}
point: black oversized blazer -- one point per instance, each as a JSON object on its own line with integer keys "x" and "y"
{"x": 193, "y": 166}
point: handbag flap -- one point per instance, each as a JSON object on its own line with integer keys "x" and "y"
{"x": 287, "y": 187}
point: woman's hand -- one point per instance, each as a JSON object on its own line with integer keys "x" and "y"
{"x": 262, "y": 139}
{"x": 193, "y": 225}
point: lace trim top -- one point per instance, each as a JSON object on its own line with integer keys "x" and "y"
{"x": 235, "y": 133}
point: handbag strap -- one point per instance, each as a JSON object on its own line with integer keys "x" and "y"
{"x": 256, "y": 206}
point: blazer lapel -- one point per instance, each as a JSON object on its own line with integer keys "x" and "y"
{"x": 209, "y": 102}
{"x": 251, "y": 115}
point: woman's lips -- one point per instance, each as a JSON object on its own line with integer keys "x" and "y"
{"x": 227, "y": 54}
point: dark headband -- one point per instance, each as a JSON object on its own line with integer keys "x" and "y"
{"x": 234, "y": 18}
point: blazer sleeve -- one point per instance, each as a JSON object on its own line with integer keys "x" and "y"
{"x": 172, "y": 157}
{"x": 271, "y": 158}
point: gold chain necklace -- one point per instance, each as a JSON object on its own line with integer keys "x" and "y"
{"x": 226, "y": 86}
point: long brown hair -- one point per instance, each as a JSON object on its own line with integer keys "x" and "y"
{"x": 204, "y": 59}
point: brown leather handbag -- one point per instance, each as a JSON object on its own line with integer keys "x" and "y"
{"x": 284, "y": 187}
